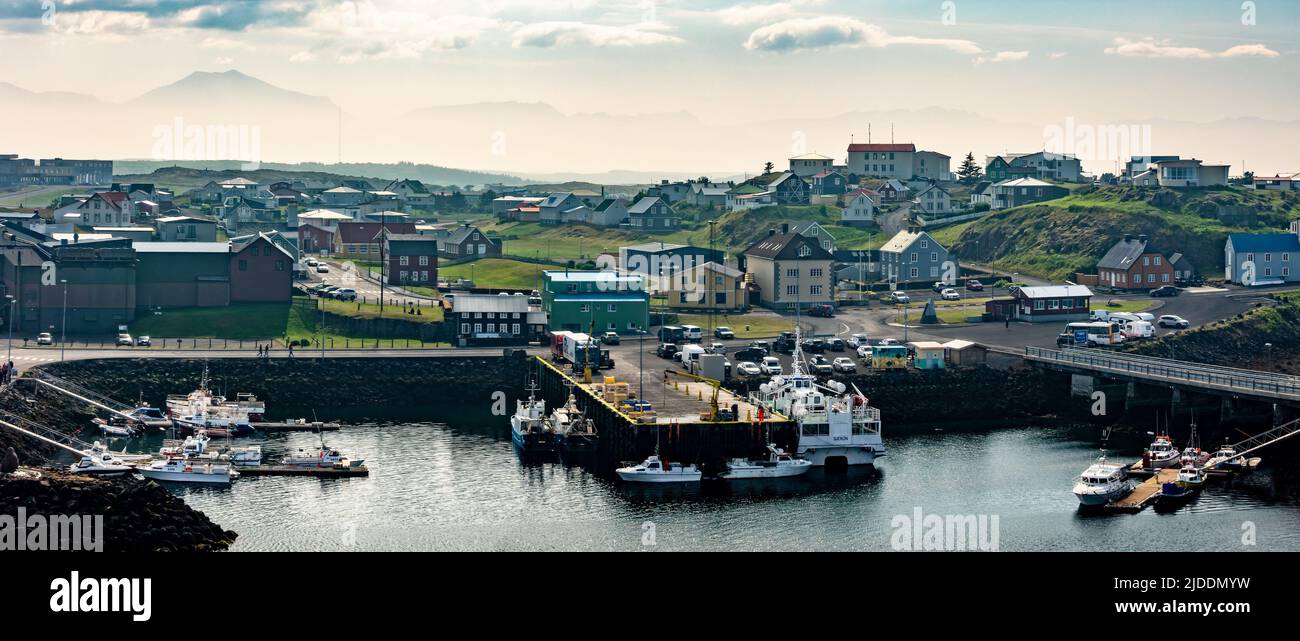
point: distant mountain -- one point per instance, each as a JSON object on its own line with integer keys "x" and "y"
{"x": 209, "y": 88}
{"x": 428, "y": 174}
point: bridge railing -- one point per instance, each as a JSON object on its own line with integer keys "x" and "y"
{"x": 1169, "y": 370}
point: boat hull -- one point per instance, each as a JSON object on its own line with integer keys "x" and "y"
{"x": 685, "y": 476}
{"x": 821, "y": 456}
{"x": 182, "y": 477}
{"x": 532, "y": 442}
{"x": 765, "y": 472}
{"x": 1097, "y": 499}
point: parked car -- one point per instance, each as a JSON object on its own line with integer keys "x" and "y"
{"x": 820, "y": 366}
{"x": 666, "y": 350}
{"x": 693, "y": 333}
{"x": 1065, "y": 339}
{"x": 124, "y": 338}
{"x": 716, "y": 348}
{"x": 610, "y": 338}
{"x": 835, "y": 344}
{"x": 1099, "y": 315}
{"x": 322, "y": 269}
{"x": 312, "y": 262}
{"x": 889, "y": 341}
{"x": 724, "y": 333}
{"x": 771, "y": 366}
{"x": 844, "y": 365}
{"x": 974, "y": 285}
{"x": 1176, "y": 322}
{"x": 857, "y": 340}
{"x": 747, "y": 368}
{"x": 1166, "y": 291}
{"x": 937, "y": 287}
{"x": 864, "y": 351}
{"x": 899, "y": 298}
{"x": 144, "y": 341}
{"x": 950, "y": 294}
{"x": 763, "y": 345}
{"x": 344, "y": 293}
{"x": 44, "y": 338}
{"x": 824, "y": 311}
{"x": 814, "y": 345}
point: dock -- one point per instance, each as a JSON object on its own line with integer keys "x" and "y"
{"x": 296, "y": 426}
{"x": 298, "y": 470}
{"x": 1144, "y": 494}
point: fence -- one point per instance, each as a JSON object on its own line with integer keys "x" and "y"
{"x": 1172, "y": 371}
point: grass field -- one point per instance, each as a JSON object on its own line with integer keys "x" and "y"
{"x": 261, "y": 321}
{"x": 498, "y": 273}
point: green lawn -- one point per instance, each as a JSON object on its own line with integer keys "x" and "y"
{"x": 261, "y": 321}
{"x": 497, "y": 273}
{"x": 1127, "y": 305}
{"x": 367, "y": 310}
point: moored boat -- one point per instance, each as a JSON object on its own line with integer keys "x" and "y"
{"x": 1102, "y": 482}
{"x": 573, "y": 431}
{"x": 653, "y": 470}
{"x": 322, "y": 457}
{"x": 529, "y": 430}
{"x": 778, "y": 464}
{"x": 179, "y": 470}
{"x": 1191, "y": 477}
{"x": 1160, "y": 454}
{"x": 103, "y": 465}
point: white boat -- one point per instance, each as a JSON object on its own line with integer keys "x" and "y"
{"x": 322, "y": 457}
{"x": 100, "y": 450}
{"x": 573, "y": 431}
{"x": 836, "y": 426}
{"x": 652, "y": 470}
{"x": 1191, "y": 477}
{"x": 193, "y": 446}
{"x": 247, "y": 455}
{"x": 104, "y": 465}
{"x": 117, "y": 429}
{"x": 246, "y": 408}
{"x": 1161, "y": 453}
{"x": 778, "y": 464}
{"x": 150, "y": 417}
{"x": 529, "y": 430}
{"x": 179, "y": 470}
{"x": 1102, "y": 483}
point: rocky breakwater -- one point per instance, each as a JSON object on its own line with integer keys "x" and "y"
{"x": 136, "y": 515}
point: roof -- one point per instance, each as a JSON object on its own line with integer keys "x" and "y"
{"x": 607, "y": 203}
{"x": 643, "y": 206}
{"x": 721, "y": 269}
{"x": 342, "y": 190}
{"x": 958, "y": 344}
{"x": 237, "y": 181}
{"x": 786, "y": 247}
{"x": 177, "y": 219}
{"x": 459, "y": 234}
{"x": 811, "y": 157}
{"x": 902, "y": 240}
{"x": 599, "y": 298}
{"x": 1055, "y": 291}
{"x": 324, "y": 214}
{"x": 1024, "y": 182}
{"x": 654, "y": 247}
{"x": 926, "y": 345}
{"x": 555, "y": 199}
{"x": 366, "y": 232}
{"x": 1124, "y": 253}
{"x": 1264, "y": 242}
{"x": 804, "y": 226}
{"x": 181, "y": 248}
{"x": 276, "y": 239}
{"x": 867, "y": 147}
{"x": 589, "y": 276}
{"x": 473, "y": 303}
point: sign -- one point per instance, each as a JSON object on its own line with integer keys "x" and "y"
{"x": 1080, "y": 337}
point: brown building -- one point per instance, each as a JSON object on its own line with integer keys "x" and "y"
{"x": 314, "y": 239}
{"x": 361, "y": 240}
{"x": 1133, "y": 263}
{"x": 261, "y": 270}
{"x": 412, "y": 259}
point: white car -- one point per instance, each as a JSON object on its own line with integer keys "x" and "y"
{"x": 125, "y": 339}
{"x": 322, "y": 269}
{"x": 899, "y": 298}
{"x": 844, "y": 365}
{"x": 889, "y": 341}
{"x": 864, "y": 351}
{"x": 857, "y": 340}
{"x": 311, "y": 262}
{"x": 1176, "y": 322}
{"x": 950, "y": 294}
{"x": 771, "y": 366}
{"x": 44, "y": 338}
{"x": 749, "y": 369}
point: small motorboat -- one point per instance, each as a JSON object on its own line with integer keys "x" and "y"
{"x": 1102, "y": 483}
{"x": 179, "y": 470}
{"x": 249, "y": 455}
{"x": 322, "y": 457}
{"x": 117, "y": 428}
{"x": 1173, "y": 494}
{"x": 652, "y": 470}
{"x": 150, "y": 417}
{"x": 778, "y": 464}
{"x": 101, "y": 451}
{"x": 103, "y": 465}
{"x": 1160, "y": 454}
{"x": 1191, "y": 477}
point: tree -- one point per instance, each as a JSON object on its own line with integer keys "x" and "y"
{"x": 703, "y": 179}
{"x": 768, "y": 167}
{"x": 969, "y": 171}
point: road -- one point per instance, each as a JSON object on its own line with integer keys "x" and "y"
{"x": 346, "y": 275}
{"x": 27, "y": 357}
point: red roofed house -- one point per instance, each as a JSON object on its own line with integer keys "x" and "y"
{"x": 106, "y": 209}
{"x": 361, "y": 240}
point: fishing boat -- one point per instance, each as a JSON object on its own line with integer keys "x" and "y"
{"x": 180, "y": 470}
{"x": 322, "y": 457}
{"x": 214, "y": 426}
{"x": 202, "y": 402}
{"x": 1193, "y": 454}
{"x": 778, "y": 464}
{"x": 837, "y": 426}
{"x": 1102, "y": 482}
{"x": 1173, "y": 494}
{"x": 1161, "y": 453}
{"x": 150, "y": 417}
{"x": 653, "y": 470}
{"x": 1191, "y": 477}
{"x": 529, "y": 430}
{"x": 103, "y": 465}
{"x": 573, "y": 431}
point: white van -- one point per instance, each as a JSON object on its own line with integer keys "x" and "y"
{"x": 1139, "y": 329}
{"x": 693, "y": 333}
{"x": 690, "y": 354}
{"x": 1099, "y": 315}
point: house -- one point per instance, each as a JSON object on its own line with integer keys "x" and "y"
{"x": 709, "y": 286}
{"x": 1045, "y": 164}
{"x": 860, "y": 208}
{"x": 502, "y": 206}
{"x": 786, "y": 187}
{"x": 912, "y": 257}
{"x": 812, "y": 230}
{"x": 961, "y": 352}
{"x": 829, "y": 183}
{"x": 1277, "y": 183}
{"x": 1261, "y": 259}
{"x": 106, "y": 209}
{"x": 482, "y": 320}
{"x": 670, "y": 192}
{"x": 934, "y": 200}
{"x": 1134, "y": 264}
{"x": 554, "y": 209}
{"x": 316, "y": 240}
{"x": 1190, "y": 172}
{"x": 1051, "y": 303}
{"x": 711, "y": 196}
{"x": 981, "y": 193}
{"x": 881, "y": 159}
{"x": 931, "y": 165}
{"x": 661, "y": 262}
{"x": 999, "y": 168}
{"x": 652, "y": 214}
{"x": 610, "y": 212}
{"x": 468, "y": 241}
{"x": 790, "y": 270}
{"x": 809, "y": 165}
{"x": 1021, "y": 191}
{"x": 342, "y": 196}
{"x": 97, "y": 288}
{"x": 361, "y": 240}
{"x": 261, "y": 269}
{"x": 1184, "y": 270}
{"x": 412, "y": 259}
{"x": 413, "y": 193}
{"x": 893, "y": 191}
{"x": 1146, "y": 178}
{"x": 599, "y": 301}
{"x": 1139, "y": 164}
{"x": 186, "y": 229}
{"x": 747, "y": 196}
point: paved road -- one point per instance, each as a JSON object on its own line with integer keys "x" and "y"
{"x": 346, "y": 275}
{"x": 27, "y": 357}
{"x": 896, "y": 221}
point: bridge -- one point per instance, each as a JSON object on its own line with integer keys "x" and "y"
{"x": 1229, "y": 381}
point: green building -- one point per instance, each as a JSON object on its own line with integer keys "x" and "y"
{"x": 599, "y": 301}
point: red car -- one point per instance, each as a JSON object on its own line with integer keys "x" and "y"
{"x": 974, "y": 286}
{"x": 825, "y": 311}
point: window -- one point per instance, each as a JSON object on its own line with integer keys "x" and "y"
{"x": 934, "y": 271}
{"x": 805, "y": 251}
{"x": 1268, "y": 257}
{"x": 1157, "y": 260}
{"x": 491, "y": 328}
{"x": 612, "y": 308}
{"x": 913, "y": 257}
{"x": 934, "y": 257}
{"x": 1268, "y": 271}
{"x": 464, "y": 328}
{"x": 401, "y": 275}
{"x": 815, "y": 290}
{"x": 243, "y": 265}
{"x": 1286, "y": 257}
{"x": 915, "y": 272}
{"x": 514, "y": 328}
{"x": 1250, "y": 257}
{"x": 815, "y": 273}
{"x": 1038, "y": 304}
{"x": 791, "y": 273}
{"x": 1286, "y": 271}
{"x": 404, "y": 261}
{"x": 1146, "y": 260}
{"x": 1053, "y": 304}
{"x": 791, "y": 290}
{"x": 720, "y": 298}
{"x": 585, "y": 309}
{"x": 478, "y": 328}
{"x": 1151, "y": 278}
{"x": 1164, "y": 278}
{"x": 925, "y": 244}
{"x": 279, "y": 265}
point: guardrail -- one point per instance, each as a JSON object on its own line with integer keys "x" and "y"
{"x": 1172, "y": 371}
{"x": 233, "y": 344}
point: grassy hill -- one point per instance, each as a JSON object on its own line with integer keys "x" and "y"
{"x": 183, "y": 179}
{"x": 1054, "y": 239}
{"x": 385, "y": 172}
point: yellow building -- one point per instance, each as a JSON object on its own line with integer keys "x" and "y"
{"x": 707, "y": 286}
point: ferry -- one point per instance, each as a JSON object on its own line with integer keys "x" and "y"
{"x": 836, "y": 425}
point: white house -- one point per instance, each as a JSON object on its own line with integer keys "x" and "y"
{"x": 809, "y": 165}
{"x": 1277, "y": 183}
{"x": 859, "y": 208}
{"x": 1190, "y": 172}
{"x": 935, "y": 200}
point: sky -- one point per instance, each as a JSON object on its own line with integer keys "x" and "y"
{"x": 723, "y": 61}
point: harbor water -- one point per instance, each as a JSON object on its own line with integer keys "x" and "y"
{"x": 459, "y": 485}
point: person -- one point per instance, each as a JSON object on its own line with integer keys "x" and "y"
{"x": 1007, "y": 322}
{"x": 290, "y": 350}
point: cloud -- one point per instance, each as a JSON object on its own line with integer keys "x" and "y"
{"x": 560, "y": 33}
{"x": 837, "y": 31}
{"x": 1057, "y": 55}
{"x": 1009, "y": 56}
{"x": 224, "y": 60}
{"x": 303, "y": 56}
{"x": 223, "y": 43}
{"x": 1152, "y": 48}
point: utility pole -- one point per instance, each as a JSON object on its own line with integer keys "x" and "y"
{"x": 13, "y": 305}
{"x": 63, "y": 338}
{"x": 383, "y": 264}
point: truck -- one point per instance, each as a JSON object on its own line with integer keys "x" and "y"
{"x": 580, "y": 350}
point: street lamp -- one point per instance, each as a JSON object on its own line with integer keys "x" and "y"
{"x": 63, "y": 335}
{"x": 13, "y": 305}
{"x": 1268, "y": 350}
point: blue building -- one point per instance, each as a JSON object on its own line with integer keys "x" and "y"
{"x": 1261, "y": 259}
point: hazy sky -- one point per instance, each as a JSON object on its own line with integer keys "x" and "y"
{"x": 720, "y": 60}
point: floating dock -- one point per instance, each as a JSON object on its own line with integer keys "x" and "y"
{"x": 296, "y": 426}
{"x": 298, "y": 470}
{"x": 1144, "y": 494}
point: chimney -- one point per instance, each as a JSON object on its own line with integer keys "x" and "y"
{"x": 785, "y": 228}
{"x": 1128, "y": 238}
{"x": 771, "y": 232}
{"x": 1144, "y": 238}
